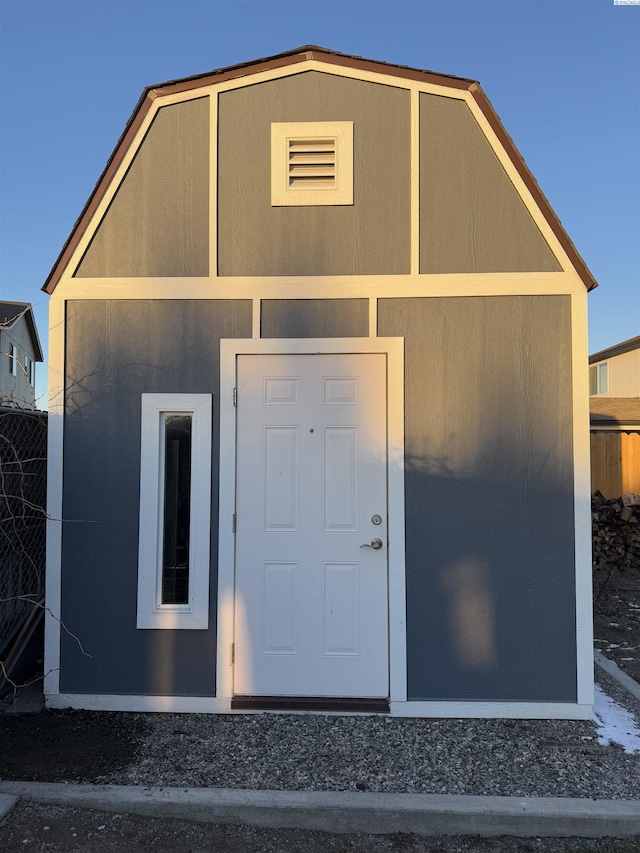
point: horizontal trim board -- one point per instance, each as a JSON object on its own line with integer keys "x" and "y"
{"x": 221, "y": 705}
{"x": 331, "y": 287}
{"x": 309, "y": 703}
{"x": 609, "y": 427}
{"x": 493, "y": 710}
{"x": 137, "y": 703}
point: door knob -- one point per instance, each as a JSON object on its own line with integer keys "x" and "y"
{"x": 376, "y": 544}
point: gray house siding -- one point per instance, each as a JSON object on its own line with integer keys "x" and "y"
{"x": 16, "y": 390}
{"x": 489, "y": 497}
{"x": 116, "y": 351}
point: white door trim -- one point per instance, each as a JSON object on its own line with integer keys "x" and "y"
{"x": 394, "y": 349}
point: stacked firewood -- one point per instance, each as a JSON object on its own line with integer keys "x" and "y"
{"x": 616, "y": 533}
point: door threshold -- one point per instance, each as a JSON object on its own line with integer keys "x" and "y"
{"x": 310, "y": 703}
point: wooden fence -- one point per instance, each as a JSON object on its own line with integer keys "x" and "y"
{"x": 615, "y": 463}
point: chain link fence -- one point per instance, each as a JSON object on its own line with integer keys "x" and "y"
{"x": 23, "y": 484}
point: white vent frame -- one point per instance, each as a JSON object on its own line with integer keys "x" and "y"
{"x": 284, "y": 191}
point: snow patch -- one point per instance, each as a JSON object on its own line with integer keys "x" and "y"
{"x": 615, "y": 724}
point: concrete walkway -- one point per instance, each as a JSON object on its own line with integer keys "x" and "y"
{"x": 351, "y": 812}
{"x": 7, "y": 802}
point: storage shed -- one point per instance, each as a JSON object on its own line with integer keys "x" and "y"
{"x": 319, "y": 427}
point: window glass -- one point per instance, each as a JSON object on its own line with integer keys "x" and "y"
{"x": 177, "y": 509}
{"x": 602, "y": 378}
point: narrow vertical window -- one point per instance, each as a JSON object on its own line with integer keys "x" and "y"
{"x": 13, "y": 360}
{"x": 602, "y": 378}
{"x": 175, "y": 520}
{"x": 177, "y": 509}
{"x": 598, "y": 379}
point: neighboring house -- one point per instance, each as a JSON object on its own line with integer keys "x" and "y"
{"x": 19, "y": 351}
{"x": 614, "y": 383}
{"x": 319, "y": 408}
{"x": 615, "y": 371}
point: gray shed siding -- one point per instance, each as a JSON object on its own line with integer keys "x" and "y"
{"x": 489, "y": 496}
{"x": 489, "y": 487}
{"x": 472, "y": 220}
{"x": 314, "y": 318}
{"x": 370, "y": 237}
{"x": 117, "y": 350}
{"x": 158, "y": 221}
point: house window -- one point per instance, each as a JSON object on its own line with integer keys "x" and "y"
{"x": 13, "y": 360}
{"x": 175, "y": 497}
{"x": 311, "y": 163}
{"x": 598, "y": 379}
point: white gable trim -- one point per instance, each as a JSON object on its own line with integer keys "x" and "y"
{"x": 411, "y": 86}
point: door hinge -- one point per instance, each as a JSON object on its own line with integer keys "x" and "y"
{"x": 235, "y": 396}
{"x": 233, "y": 523}
{"x": 233, "y": 653}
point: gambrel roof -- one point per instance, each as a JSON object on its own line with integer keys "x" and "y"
{"x": 329, "y": 59}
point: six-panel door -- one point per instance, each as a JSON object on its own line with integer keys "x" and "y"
{"x": 311, "y": 613}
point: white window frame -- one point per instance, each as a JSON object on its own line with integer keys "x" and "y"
{"x": 341, "y": 132}
{"x": 600, "y": 373}
{"x": 194, "y": 615}
{"x": 13, "y": 360}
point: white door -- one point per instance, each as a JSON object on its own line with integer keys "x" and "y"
{"x": 311, "y": 613}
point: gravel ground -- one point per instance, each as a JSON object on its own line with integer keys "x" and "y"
{"x": 303, "y": 752}
{"x": 324, "y": 753}
{"x": 330, "y": 753}
{"x": 375, "y": 753}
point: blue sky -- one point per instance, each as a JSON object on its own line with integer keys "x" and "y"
{"x": 563, "y": 75}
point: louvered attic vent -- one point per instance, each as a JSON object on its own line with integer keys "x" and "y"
{"x": 311, "y": 163}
